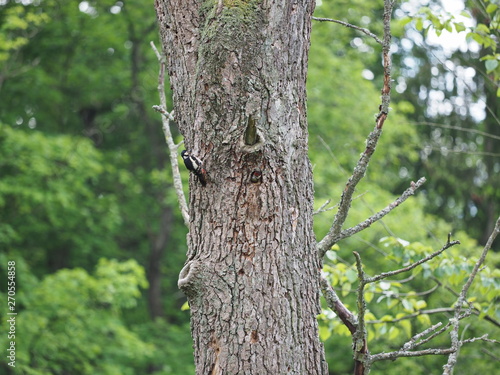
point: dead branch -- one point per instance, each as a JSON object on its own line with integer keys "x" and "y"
{"x": 359, "y": 338}
{"x": 346, "y": 24}
{"x": 168, "y": 137}
{"x": 334, "y": 303}
{"x": 360, "y": 169}
{"x": 384, "y": 275}
{"x": 440, "y": 310}
{"x": 461, "y": 301}
{"x": 379, "y": 215}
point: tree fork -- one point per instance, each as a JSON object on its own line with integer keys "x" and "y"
{"x": 238, "y": 71}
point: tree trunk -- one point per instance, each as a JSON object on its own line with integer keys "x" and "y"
{"x": 238, "y": 71}
{"x": 158, "y": 244}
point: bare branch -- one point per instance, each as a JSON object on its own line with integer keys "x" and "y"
{"x": 360, "y": 344}
{"x": 169, "y": 115}
{"x": 359, "y": 171}
{"x": 346, "y": 24}
{"x": 345, "y": 201}
{"x": 168, "y": 137}
{"x": 482, "y": 338}
{"x": 479, "y": 263}
{"x": 379, "y": 215}
{"x": 454, "y": 127}
{"x": 362, "y": 357}
{"x": 440, "y": 310}
{"x": 386, "y": 58}
{"x": 462, "y": 299}
{"x": 412, "y": 343}
{"x": 404, "y": 353}
{"x": 384, "y": 275}
{"x": 322, "y": 208}
{"x": 334, "y": 303}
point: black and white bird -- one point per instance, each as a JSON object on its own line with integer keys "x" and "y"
{"x": 195, "y": 165}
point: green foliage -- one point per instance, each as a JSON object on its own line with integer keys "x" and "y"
{"x": 485, "y": 33}
{"x": 71, "y": 321}
{"x": 400, "y": 307}
{"x": 175, "y": 354}
{"x": 17, "y": 24}
{"x": 83, "y": 176}
{"x": 54, "y": 199}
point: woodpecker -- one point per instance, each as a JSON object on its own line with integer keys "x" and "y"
{"x": 195, "y": 165}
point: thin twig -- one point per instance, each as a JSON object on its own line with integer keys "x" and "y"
{"x": 168, "y": 137}
{"x": 384, "y": 275}
{"x": 321, "y": 209}
{"x": 404, "y": 353}
{"x": 453, "y": 127}
{"x": 435, "y": 334}
{"x": 412, "y": 343}
{"x": 482, "y": 338}
{"x": 440, "y": 310}
{"x": 346, "y": 24}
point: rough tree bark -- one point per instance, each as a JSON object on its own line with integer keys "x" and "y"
{"x": 238, "y": 72}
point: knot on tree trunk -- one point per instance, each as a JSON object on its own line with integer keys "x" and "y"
{"x": 189, "y": 279}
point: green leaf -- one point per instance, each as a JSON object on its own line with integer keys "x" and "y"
{"x": 421, "y": 304}
{"x": 491, "y": 65}
{"x": 369, "y": 296}
{"x": 459, "y": 27}
{"x": 482, "y": 28}
{"x": 324, "y": 332}
{"x": 391, "y": 302}
{"x": 406, "y": 326}
{"x": 407, "y": 305}
{"x": 419, "y": 24}
{"x": 491, "y": 8}
{"x": 351, "y": 275}
{"x": 448, "y": 27}
{"x": 424, "y": 320}
{"x": 346, "y": 289}
{"x": 393, "y": 333}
